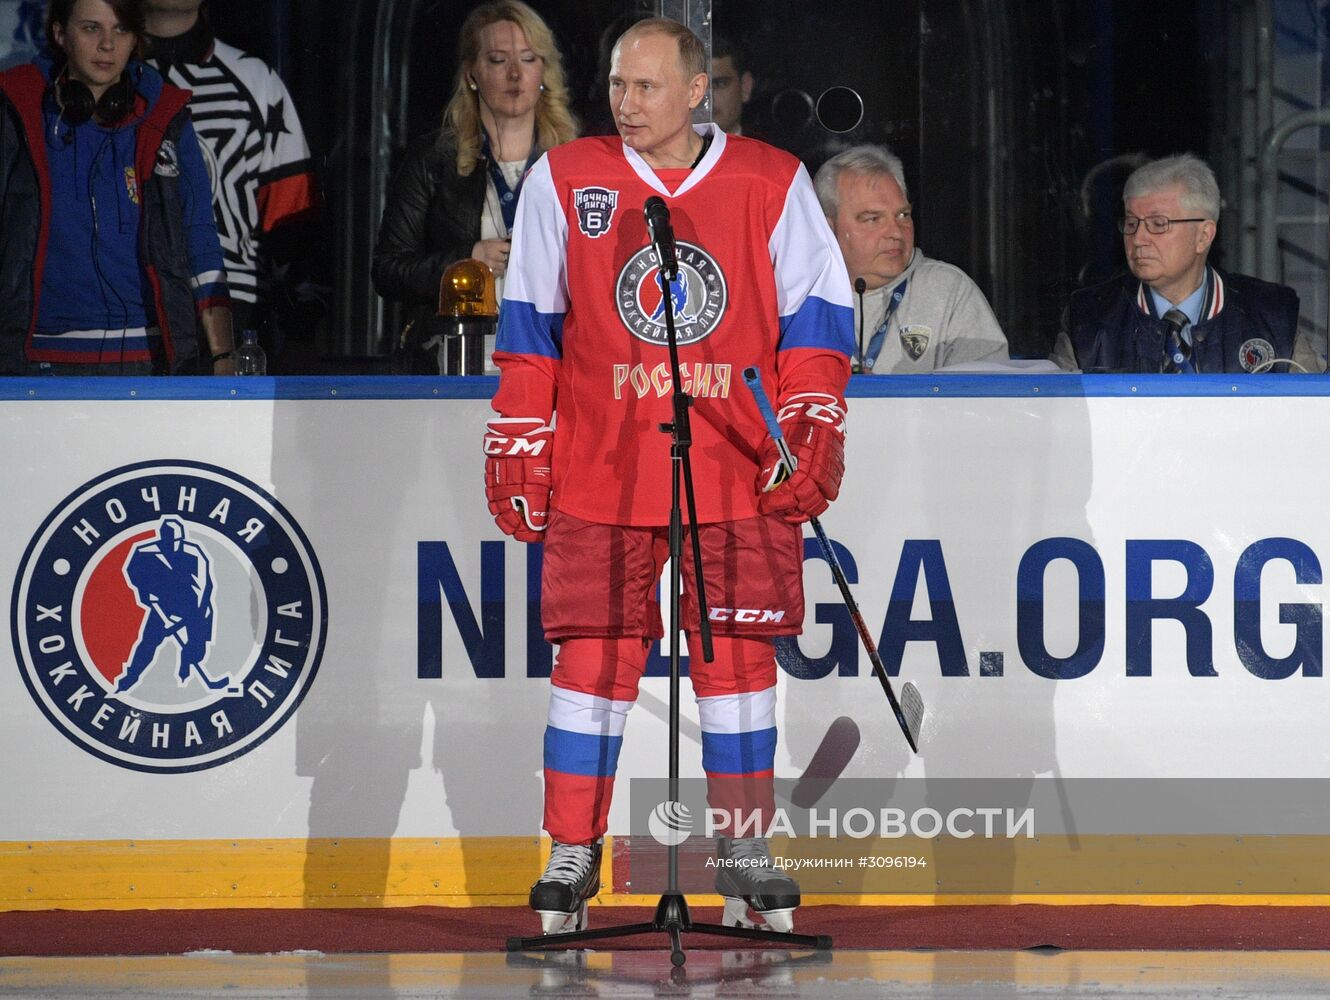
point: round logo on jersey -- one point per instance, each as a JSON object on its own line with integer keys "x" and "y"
{"x": 697, "y": 296}
{"x": 169, "y": 616}
{"x": 1255, "y": 354}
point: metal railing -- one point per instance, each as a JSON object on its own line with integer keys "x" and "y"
{"x": 1267, "y": 221}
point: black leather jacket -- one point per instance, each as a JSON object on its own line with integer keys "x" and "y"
{"x": 431, "y": 220}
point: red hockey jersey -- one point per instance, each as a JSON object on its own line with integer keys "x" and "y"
{"x": 582, "y": 332}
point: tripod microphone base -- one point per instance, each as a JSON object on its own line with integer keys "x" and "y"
{"x": 673, "y": 919}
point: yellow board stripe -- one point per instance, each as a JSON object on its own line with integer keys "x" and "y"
{"x": 493, "y": 871}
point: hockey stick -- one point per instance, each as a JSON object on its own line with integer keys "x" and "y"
{"x": 909, "y": 709}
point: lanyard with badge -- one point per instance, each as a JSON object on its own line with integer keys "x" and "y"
{"x": 507, "y": 195}
{"x": 880, "y": 334}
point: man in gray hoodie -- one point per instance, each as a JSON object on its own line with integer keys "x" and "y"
{"x": 912, "y": 313}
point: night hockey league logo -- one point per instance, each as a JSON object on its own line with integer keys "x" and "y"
{"x": 595, "y": 209}
{"x": 1256, "y": 354}
{"x": 697, "y": 296}
{"x": 169, "y": 616}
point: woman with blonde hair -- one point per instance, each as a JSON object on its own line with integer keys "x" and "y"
{"x": 455, "y": 195}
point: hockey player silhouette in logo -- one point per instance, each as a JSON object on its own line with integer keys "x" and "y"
{"x": 172, "y": 579}
{"x": 678, "y": 295}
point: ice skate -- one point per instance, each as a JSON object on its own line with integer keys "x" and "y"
{"x": 748, "y": 880}
{"x": 570, "y": 879}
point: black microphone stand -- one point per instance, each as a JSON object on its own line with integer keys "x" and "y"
{"x": 672, "y": 915}
{"x": 859, "y": 286}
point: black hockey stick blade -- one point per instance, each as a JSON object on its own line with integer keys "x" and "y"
{"x": 912, "y": 713}
{"x": 909, "y": 708}
{"x": 829, "y": 761}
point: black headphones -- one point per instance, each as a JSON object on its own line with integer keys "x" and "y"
{"x": 77, "y": 105}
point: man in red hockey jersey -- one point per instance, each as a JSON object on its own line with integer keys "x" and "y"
{"x": 582, "y": 335}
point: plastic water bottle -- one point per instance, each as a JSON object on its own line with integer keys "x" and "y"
{"x": 250, "y": 359}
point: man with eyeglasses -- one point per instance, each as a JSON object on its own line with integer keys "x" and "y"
{"x": 1176, "y": 313}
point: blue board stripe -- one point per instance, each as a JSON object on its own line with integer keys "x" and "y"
{"x": 483, "y": 387}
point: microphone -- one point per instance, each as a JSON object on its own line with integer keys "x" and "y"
{"x": 662, "y": 236}
{"x": 860, "y": 286}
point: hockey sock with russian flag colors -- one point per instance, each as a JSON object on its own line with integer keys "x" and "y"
{"x": 736, "y": 701}
{"x": 593, "y": 686}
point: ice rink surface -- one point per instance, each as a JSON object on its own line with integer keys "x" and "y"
{"x": 992, "y": 975}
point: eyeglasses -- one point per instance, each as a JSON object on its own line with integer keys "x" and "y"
{"x": 1157, "y": 224}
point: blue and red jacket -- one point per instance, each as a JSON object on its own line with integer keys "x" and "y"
{"x": 179, "y": 253}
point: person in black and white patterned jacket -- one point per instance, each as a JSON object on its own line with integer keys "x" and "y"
{"x": 258, "y": 159}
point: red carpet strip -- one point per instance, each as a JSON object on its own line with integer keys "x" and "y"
{"x": 430, "y": 929}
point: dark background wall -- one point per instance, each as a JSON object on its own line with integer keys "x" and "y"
{"x": 1000, "y": 110}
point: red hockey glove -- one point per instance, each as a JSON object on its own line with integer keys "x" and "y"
{"x": 814, "y": 427}
{"x": 517, "y": 475}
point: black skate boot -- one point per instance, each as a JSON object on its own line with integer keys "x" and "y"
{"x": 747, "y": 879}
{"x": 570, "y": 879}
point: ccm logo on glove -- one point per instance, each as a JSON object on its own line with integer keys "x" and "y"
{"x": 819, "y": 406}
{"x": 513, "y": 447}
{"x": 813, "y": 424}
{"x": 518, "y": 476}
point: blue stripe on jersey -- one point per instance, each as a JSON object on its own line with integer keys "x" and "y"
{"x": 739, "y": 753}
{"x": 217, "y": 291}
{"x": 582, "y": 753}
{"x": 819, "y": 324}
{"x": 524, "y": 330}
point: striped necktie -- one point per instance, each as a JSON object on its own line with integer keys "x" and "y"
{"x": 1177, "y": 351}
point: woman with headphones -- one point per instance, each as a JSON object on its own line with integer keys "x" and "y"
{"x": 455, "y": 195}
{"x": 109, "y": 257}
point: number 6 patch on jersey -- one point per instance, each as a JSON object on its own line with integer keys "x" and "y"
{"x": 595, "y": 209}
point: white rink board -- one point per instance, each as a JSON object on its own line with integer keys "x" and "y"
{"x": 375, "y": 750}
